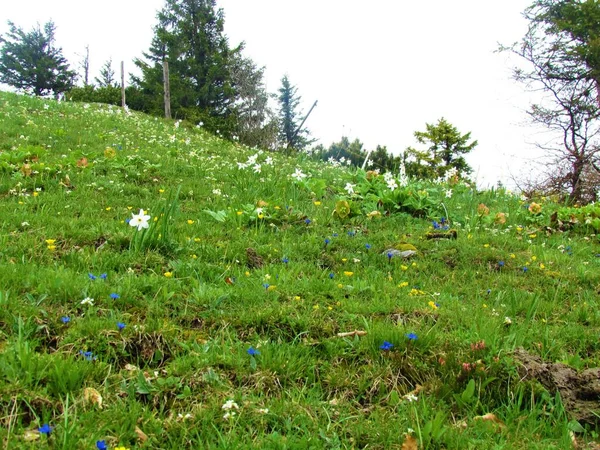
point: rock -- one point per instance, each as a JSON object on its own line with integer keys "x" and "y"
{"x": 398, "y": 253}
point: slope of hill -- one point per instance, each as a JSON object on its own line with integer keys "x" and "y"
{"x": 275, "y": 302}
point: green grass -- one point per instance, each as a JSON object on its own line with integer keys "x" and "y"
{"x": 194, "y": 300}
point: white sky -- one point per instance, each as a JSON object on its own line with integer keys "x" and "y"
{"x": 380, "y": 69}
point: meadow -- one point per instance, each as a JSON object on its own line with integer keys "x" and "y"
{"x": 163, "y": 288}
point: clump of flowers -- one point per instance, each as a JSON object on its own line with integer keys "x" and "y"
{"x": 535, "y": 208}
{"x": 483, "y": 210}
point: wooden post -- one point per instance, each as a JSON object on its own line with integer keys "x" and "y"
{"x": 123, "y": 84}
{"x": 167, "y": 90}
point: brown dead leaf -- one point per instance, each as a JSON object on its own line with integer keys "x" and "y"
{"x": 418, "y": 388}
{"x": 91, "y": 395}
{"x": 491, "y": 418}
{"x": 410, "y": 443}
{"x": 83, "y": 162}
{"x": 140, "y": 434}
{"x": 26, "y": 170}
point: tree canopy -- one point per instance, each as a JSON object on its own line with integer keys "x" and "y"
{"x": 190, "y": 37}
{"x": 30, "y": 61}
{"x": 290, "y": 134}
{"x": 444, "y": 153}
{"x": 562, "y": 53}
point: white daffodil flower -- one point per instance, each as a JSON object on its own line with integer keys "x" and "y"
{"x": 140, "y": 220}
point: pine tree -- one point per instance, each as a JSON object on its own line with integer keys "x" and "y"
{"x": 256, "y": 122}
{"x": 107, "y": 75}
{"x": 190, "y": 37}
{"x": 446, "y": 147}
{"x": 32, "y": 63}
{"x": 289, "y": 117}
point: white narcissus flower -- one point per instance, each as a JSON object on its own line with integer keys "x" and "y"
{"x": 349, "y": 188}
{"x": 449, "y": 193}
{"x": 230, "y": 404}
{"x": 87, "y": 301}
{"x": 140, "y": 220}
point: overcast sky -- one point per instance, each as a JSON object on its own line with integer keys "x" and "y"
{"x": 380, "y": 70}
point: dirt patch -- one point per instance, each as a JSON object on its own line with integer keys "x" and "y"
{"x": 579, "y": 391}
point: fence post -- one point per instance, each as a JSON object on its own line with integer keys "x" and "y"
{"x": 167, "y": 90}
{"x": 122, "y": 84}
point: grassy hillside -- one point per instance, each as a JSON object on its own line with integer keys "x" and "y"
{"x": 266, "y": 306}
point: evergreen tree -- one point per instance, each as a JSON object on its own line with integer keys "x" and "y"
{"x": 107, "y": 75}
{"x": 289, "y": 118}
{"x": 190, "y": 37}
{"x": 256, "y": 121}
{"x": 32, "y": 63}
{"x": 446, "y": 147}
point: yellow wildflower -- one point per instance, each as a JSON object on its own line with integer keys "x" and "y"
{"x": 348, "y": 274}
{"x": 168, "y": 274}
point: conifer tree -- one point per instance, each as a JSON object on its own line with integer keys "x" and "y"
{"x": 190, "y": 37}
{"x": 289, "y": 117}
{"x": 32, "y": 63}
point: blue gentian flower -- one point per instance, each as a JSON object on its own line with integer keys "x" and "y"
{"x": 351, "y": 233}
{"x": 89, "y": 356}
{"x": 266, "y": 285}
{"x": 114, "y": 296}
{"x": 101, "y": 445}
{"x": 252, "y": 351}
{"x": 335, "y": 235}
{"x": 103, "y": 276}
{"x": 307, "y": 221}
{"x": 367, "y": 246}
{"x": 45, "y": 429}
{"x": 389, "y": 255}
{"x": 331, "y": 275}
{"x": 120, "y": 326}
{"x": 386, "y": 346}
{"x": 525, "y": 268}
{"x": 92, "y": 276}
{"x": 285, "y": 260}
{"x": 65, "y": 319}
{"x": 412, "y": 336}
{"x": 500, "y": 263}
{"x": 327, "y": 241}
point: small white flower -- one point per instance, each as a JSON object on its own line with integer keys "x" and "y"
{"x": 228, "y": 415}
{"x": 216, "y": 192}
{"x": 411, "y": 397}
{"x": 140, "y": 220}
{"x": 507, "y": 320}
{"x": 87, "y": 301}
{"x": 263, "y": 410}
{"x": 392, "y": 185}
{"x": 24, "y": 224}
{"x": 230, "y": 404}
{"x": 257, "y": 168}
{"x": 269, "y": 161}
{"x": 449, "y": 193}
{"x": 349, "y": 188}
{"x": 299, "y": 175}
